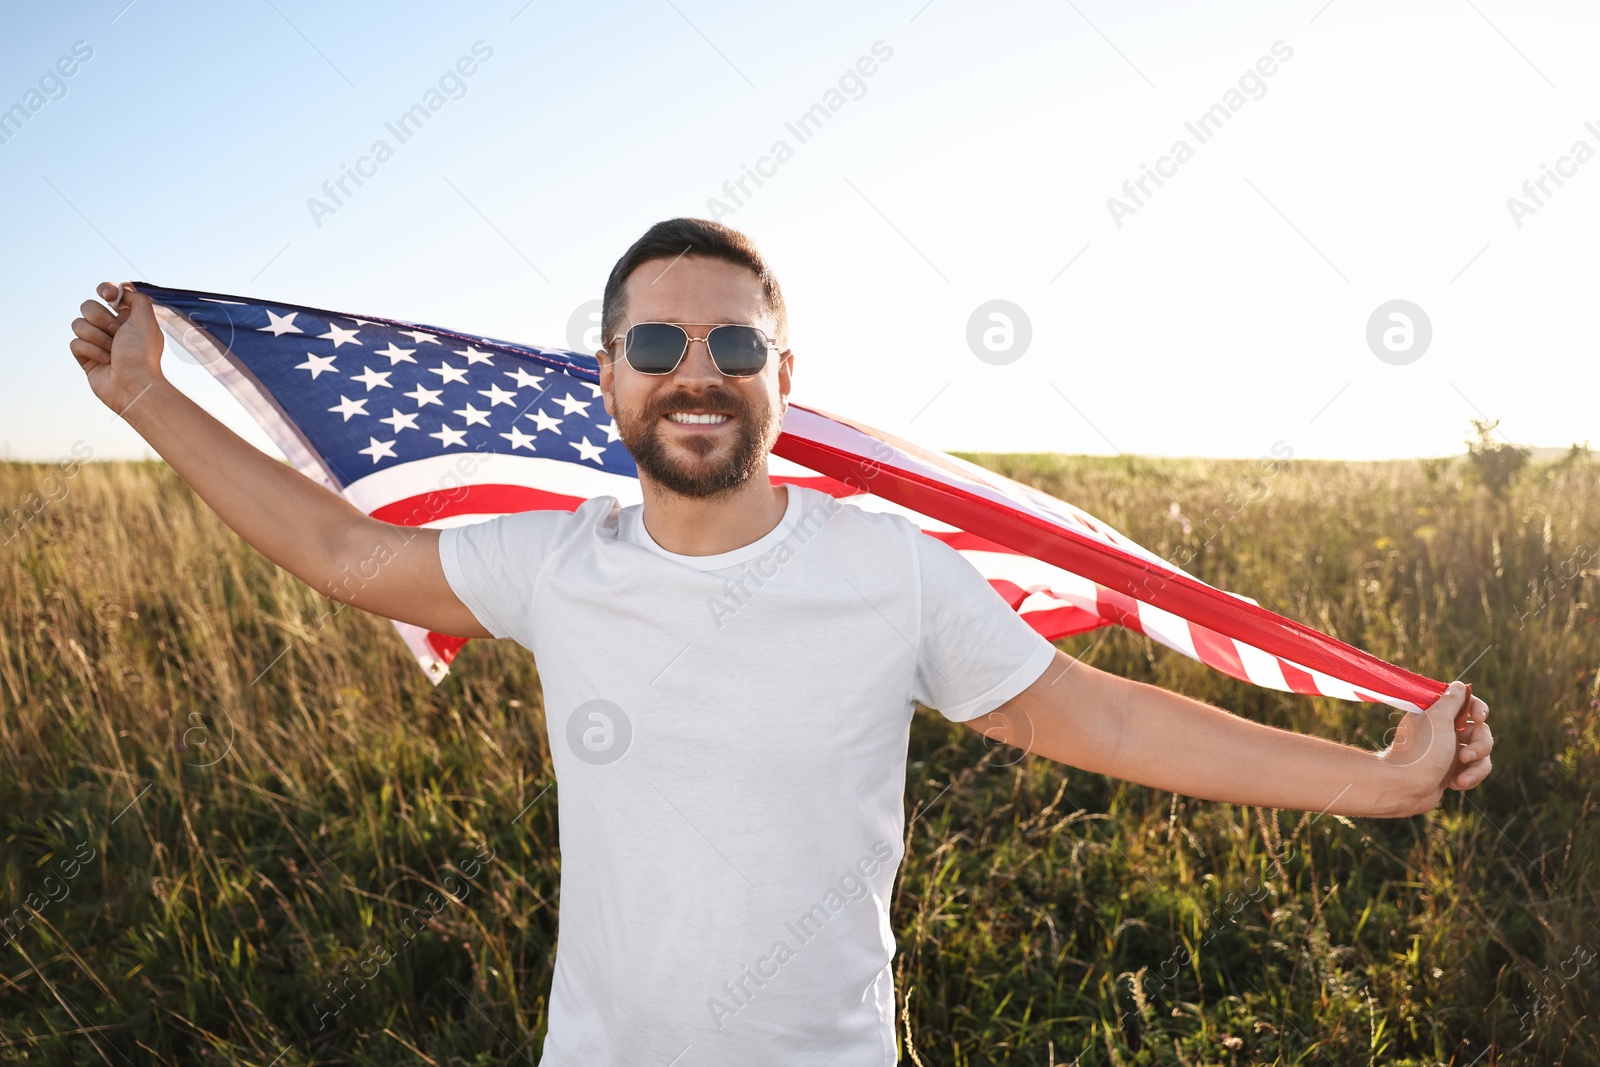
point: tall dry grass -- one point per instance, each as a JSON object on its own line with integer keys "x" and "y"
{"x": 238, "y": 824}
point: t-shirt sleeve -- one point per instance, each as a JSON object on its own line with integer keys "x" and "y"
{"x": 974, "y": 652}
{"x": 494, "y": 565}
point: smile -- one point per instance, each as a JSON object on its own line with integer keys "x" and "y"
{"x": 686, "y": 419}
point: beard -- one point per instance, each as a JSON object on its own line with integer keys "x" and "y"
{"x": 718, "y": 463}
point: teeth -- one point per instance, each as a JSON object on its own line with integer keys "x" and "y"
{"x": 678, "y": 416}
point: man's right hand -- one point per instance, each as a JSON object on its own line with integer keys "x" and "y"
{"x": 120, "y": 354}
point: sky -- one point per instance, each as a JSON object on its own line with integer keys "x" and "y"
{"x": 1360, "y": 225}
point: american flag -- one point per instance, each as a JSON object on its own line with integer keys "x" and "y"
{"x": 420, "y": 425}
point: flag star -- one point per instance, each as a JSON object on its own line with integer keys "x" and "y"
{"x": 473, "y": 416}
{"x": 524, "y": 379}
{"x": 280, "y": 324}
{"x": 402, "y": 420}
{"x": 448, "y": 374}
{"x": 317, "y": 364}
{"x": 595, "y": 389}
{"x": 611, "y": 431}
{"x": 373, "y": 378}
{"x": 424, "y": 397}
{"x": 378, "y": 449}
{"x": 364, "y": 322}
{"x": 519, "y": 439}
{"x": 544, "y": 421}
{"x": 448, "y": 437}
{"x": 569, "y": 405}
{"x": 398, "y": 355}
{"x": 474, "y": 357}
{"x": 348, "y": 407}
{"x": 339, "y": 336}
{"x": 585, "y": 449}
{"x": 421, "y": 338}
{"x": 497, "y": 395}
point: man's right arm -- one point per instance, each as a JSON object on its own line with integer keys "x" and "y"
{"x": 316, "y": 535}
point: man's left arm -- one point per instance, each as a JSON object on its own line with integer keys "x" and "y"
{"x": 1101, "y": 722}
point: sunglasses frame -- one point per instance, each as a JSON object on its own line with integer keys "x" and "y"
{"x": 690, "y": 339}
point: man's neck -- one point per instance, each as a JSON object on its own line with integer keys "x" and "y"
{"x": 696, "y": 527}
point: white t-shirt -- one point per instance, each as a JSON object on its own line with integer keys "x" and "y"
{"x": 729, "y": 736}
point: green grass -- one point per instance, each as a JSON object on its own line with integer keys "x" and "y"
{"x": 223, "y": 801}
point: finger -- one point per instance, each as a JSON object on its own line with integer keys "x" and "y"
{"x": 1452, "y": 696}
{"x": 1458, "y": 704}
{"x": 1480, "y": 744}
{"x": 91, "y": 333}
{"x": 87, "y": 352}
{"x": 1474, "y": 774}
{"x": 97, "y": 313}
{"x": 111, "y": 293}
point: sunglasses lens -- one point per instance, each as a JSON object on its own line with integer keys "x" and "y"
{"x": 655, "y": 347}
{"x": 739, "y": 351}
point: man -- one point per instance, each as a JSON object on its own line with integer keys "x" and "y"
{"x": 729, "y": 673}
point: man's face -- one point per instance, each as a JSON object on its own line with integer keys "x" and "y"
{"x": 695, "y": 460}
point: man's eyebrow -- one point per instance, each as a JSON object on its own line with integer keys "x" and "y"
{"x": 699, "y": 322}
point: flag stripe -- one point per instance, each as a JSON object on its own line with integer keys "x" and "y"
{"x": 485, "y": 500}
{"x": 977, "y": 509}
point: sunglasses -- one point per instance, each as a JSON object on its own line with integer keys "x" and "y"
{"x": 738, "y": 351}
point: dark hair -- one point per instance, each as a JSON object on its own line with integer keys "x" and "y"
{"x": 691, "y": 237}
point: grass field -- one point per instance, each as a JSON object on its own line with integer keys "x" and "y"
{"x": 220, "y": 797}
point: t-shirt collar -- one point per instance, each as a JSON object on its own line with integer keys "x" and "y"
{"x": 633, "y": 530}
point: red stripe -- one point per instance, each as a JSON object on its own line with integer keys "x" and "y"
{"x": 820, "y": 482}
{"x": 1012, "y": 593}
{"x": 445, "y": 646}
{"x": 1056, "y": 623}
{"x": 970, "y": 542}
{"x": 1108, "y": 565}
{"x": 1299, "y": 681}
{"x": 1118, "y": 608}
{"x": 1217, "y": 651}
{"x": 473, "y": 500}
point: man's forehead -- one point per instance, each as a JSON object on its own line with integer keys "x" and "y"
{"x": 694, "y": 290}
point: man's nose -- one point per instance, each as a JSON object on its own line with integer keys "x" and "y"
{"x": 697, "y": 363}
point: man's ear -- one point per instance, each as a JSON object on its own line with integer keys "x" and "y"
{"x": 606, "y": 375}
{"x": 785, "y": 376}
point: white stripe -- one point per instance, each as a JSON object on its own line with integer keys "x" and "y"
{"x": 1328, "y": 685}
{"x": 488, "y": 468}
{"x": 1262, "y": 668}
{"x": 877, "y": 505}
{"x": 1171, "y": 630}
{"x": 950, "y": 470}
{"x": 416, "y": 639}
{"x": 1028, "y": 573}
